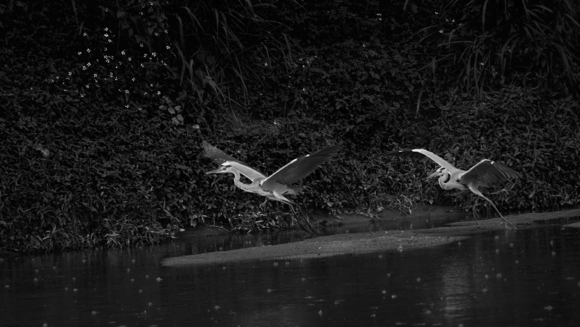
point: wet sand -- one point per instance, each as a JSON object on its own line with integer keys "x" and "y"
{"x": 393, "y": 240}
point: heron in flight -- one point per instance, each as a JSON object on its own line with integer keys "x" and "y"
{"x": 483, "y": 174}
{"x": 275, "y": 186}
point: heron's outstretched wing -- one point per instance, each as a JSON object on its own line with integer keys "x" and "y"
{"x": 245, "y": 170}
{"x": 218, "y": 155}
{"x": 420, "y": 154}
{"x": 299, "y": 168}
{"x": 488, "y": 172}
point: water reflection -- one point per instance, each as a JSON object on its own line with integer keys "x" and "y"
{"x": 514, "y": 277}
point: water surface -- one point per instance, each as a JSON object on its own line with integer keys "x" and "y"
{"x": 508, "y": 278}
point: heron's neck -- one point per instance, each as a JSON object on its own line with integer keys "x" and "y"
{"x": 239, "y": 183}
{"x": 247, "y": 171}
{"x": 449, "y": 181}
{"x": 445, "y": 180}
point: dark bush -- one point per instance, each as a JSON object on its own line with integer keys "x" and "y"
{"x": 104, "y": 106}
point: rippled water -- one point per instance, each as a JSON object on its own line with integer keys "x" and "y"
{"x": 509, "y": 278}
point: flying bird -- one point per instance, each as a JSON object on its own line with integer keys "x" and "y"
{"x": 483, "y": 174}
{"x": 275, "y": 186}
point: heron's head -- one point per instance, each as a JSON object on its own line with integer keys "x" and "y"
{"x": 224, "y": 168}
{"x": 439, "y": 172}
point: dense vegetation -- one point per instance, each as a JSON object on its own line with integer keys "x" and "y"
{"x": 103, "y": 109}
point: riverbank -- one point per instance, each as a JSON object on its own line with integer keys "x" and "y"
{"x": 389, "y": 240}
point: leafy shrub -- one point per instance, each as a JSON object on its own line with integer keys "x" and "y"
{"x": 108, "y": 154}
{"x": 106, "y": 177}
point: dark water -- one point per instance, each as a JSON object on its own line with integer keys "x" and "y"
{"x": 509, "y": 278}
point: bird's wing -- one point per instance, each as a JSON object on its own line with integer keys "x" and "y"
{"x": 218, "y": 155}
{"x": 487, "y": 172}
{"x": 245, "y": 170}
{"x": 420, "y": 154}
{"x": 214, "y": 153}
{"x": 299, "y": 168}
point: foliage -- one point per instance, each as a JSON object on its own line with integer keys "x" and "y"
{"x": 89, "y": 177}
{"x": 218, "y": 44}
{"x": 489, "y": 44}
{"x": 104, "y": 106}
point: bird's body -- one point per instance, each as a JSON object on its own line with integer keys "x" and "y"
{"x": 277, "y": 185}
{"x": 276, "y": 194}
{"x": 483, "y": 174}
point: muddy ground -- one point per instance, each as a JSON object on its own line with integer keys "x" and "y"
{"x": 413, "y": 232}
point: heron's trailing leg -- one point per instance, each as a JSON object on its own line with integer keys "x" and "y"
{"x": 306, "y": 227}
{"x": 499, "y": 213}
{"x": 474, "y": 210}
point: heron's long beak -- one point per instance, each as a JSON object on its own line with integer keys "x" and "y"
{"x": 215, "y": 171}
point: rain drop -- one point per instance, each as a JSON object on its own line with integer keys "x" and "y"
{"x": 498, "y": 276}
{"x": 275, "y": 264}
